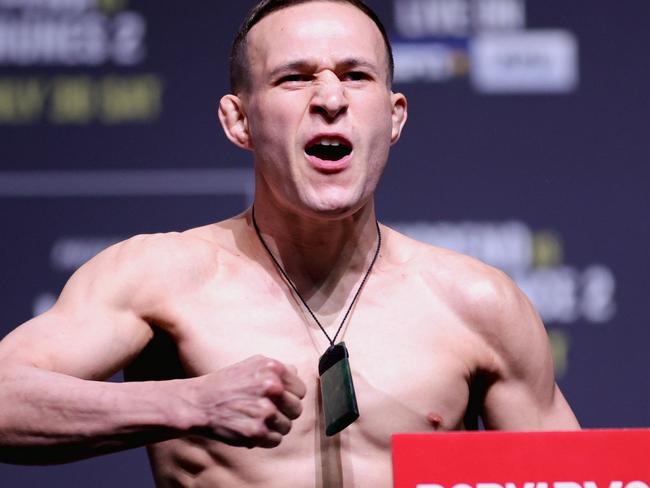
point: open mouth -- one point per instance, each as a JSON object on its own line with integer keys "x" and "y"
{"x": 329, "y": 148}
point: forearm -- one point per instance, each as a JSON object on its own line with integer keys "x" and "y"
{"x": 48, "y": 417}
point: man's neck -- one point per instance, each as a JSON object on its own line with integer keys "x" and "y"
{"x": 325, "y": 258}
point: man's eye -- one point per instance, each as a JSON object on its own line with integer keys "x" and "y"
{"x": 295, "y": 78}
{"x": 355, "y": 76}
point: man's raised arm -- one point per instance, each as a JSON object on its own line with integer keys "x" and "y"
{"x": 53, "y": 408}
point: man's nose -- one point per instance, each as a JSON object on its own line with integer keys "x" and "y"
{"x": 329, "y": 99}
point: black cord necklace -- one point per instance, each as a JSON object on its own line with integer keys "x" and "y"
{"x": 337, "y": 390}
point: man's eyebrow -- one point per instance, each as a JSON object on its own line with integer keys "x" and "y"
{"x": 304, "y": 65}
{"x": 292, "y": 66}
{"x": 357, "y": 63}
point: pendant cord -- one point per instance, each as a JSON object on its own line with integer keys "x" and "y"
{"x": 293, "y": 287}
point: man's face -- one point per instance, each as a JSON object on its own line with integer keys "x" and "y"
{"x": 320, "y": 115}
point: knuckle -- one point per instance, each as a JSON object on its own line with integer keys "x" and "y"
{"x": 266, "y": 407}
{"x": 274, "y": 365}
{"x": 257, "y": 358}
{"x": 256, "y": 430}
{"x": 272, "y": 385}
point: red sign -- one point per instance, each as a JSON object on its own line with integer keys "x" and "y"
{"x": 579, "y": 459}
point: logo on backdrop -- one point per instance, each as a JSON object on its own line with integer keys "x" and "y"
{"x": 67, "y": 38}
{"x": 485, "y": 40}
{"x": 564, "y": 294}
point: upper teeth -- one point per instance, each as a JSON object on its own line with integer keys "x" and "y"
{"x": 328, "y": 142}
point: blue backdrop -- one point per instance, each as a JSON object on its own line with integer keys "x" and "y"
{"x": 526, "y": 146}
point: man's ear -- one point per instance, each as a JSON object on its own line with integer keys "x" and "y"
{"x": 399, "y": 116}
{"x": 234, "y": 121}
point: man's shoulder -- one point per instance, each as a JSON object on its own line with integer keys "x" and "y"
{"x": 444, "y": 262}
{"x": 484, "y": 299}
{"x": 161, "y": 251}
{"x": 480, "y": 294}
{"x": 166, "y": 257}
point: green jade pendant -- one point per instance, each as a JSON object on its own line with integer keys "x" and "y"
{"x": 337, "y": 391}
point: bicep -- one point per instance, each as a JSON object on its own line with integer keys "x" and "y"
{"x": 91, "y": 332}
{"x": 92, "y": 347}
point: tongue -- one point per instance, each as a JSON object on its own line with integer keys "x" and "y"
{"x": 328, "y": 153}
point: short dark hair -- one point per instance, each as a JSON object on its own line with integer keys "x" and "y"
{"x": 239, "y": 73}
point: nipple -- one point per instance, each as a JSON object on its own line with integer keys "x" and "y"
{"x": 434, "y": 419}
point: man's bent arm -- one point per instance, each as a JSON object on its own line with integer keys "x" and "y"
{"x": 53, "y": 409}
{"x": 49, "y": 417}
{"x": 521, "y": 391}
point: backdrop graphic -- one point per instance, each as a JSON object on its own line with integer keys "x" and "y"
{"x": 526, "y": 146}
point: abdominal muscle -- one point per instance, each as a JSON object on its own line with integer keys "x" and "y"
{"x": 304, "y": 464}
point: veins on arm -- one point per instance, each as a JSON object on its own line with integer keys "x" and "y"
{"x": 51, "y": 409}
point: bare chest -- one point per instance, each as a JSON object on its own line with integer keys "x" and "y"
{"x": 410, "y": 357}
{"x": 411, "y": 362}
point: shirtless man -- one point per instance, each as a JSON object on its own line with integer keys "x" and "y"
{"x": 229, "y": 351}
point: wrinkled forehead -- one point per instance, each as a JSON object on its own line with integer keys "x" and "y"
{"x": 317, "y": 32}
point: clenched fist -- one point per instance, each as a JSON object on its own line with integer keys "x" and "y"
{"x": 251, "y": 403}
